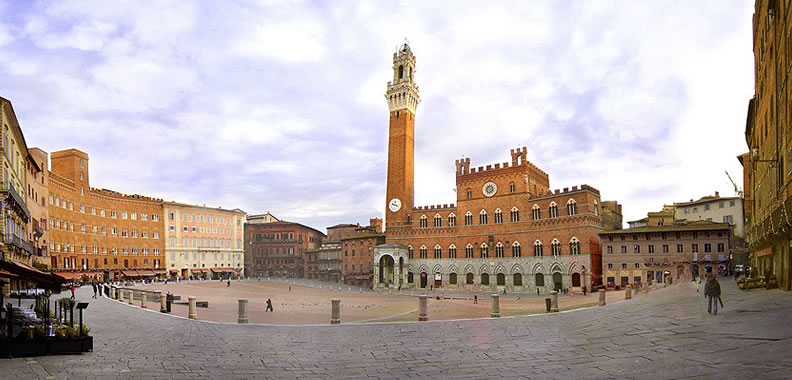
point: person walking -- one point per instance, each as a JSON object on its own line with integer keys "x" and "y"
{"x": 698, "y": 283}
{"x": 228, "y": 283}
{"x": 93, "y": 285}
{"x": 712, "y": 292}
{"x": 475, "y": 299}
{"x": 72, "y": 291}
{"x": 269, "y": 306}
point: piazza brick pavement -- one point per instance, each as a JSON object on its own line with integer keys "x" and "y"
{"x": 663, "y": 334}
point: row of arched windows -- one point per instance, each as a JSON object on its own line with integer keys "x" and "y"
{"x": 483, "y": 249}
{"x": 514, "y": 215}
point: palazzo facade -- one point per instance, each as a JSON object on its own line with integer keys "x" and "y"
{"x": 507, "y": 231}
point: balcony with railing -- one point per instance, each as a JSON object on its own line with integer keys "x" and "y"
{"x": 38, "y": 231}
{"x": 15, "y": 202}
{"x": 11, "y": 239}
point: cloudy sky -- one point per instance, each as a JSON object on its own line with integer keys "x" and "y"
{"x": 279, "y": 106}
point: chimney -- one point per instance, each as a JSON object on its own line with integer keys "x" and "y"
{"x": 717, "y": 195}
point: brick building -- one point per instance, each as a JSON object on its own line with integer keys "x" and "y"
{"x": 278, "y": 248}
{"x": 100, "y": 233}
{"x": 358, "y": 252}
{"x": 662, "y": 249}
{"x": 767, "y": 177}
{"x": 203, "y": 242}
{"x": 508, "y": 229}
{"x": 324, "y": 263}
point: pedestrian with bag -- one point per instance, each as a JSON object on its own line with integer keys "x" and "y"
{"x": 712, "y": 293}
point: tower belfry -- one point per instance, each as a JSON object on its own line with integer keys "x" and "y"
{"x": 402, "y": 97}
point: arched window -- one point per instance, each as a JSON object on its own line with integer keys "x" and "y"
{"x": 553, "y": 211}
{"x": 452, "y": 252}
{"x": 438, "y": 220}
{"x": 574, "y": 246}
{"x": 515, "y": 214}
{"x": 452, "y": 278}
{"x": 498, "y": 216}
{"x": 500, "y": 279}
{"x": 555, "y": 247}
{"x": 483, "y": 217}
{"x": 424, "y": 221}
{"x": 499, "y": 250}
{"x": 469, "y": 193}
{"x": 484, "y": 250}
{"x": 423, "y": 252}
{"x": 517, "y": 279}
{"x": 571, "y": 207}
{"x": 536, "y": 212}
{"x": 537, "y": 248}
{"x": 409, "y": 252}
{"x": 438, "y": 252}
{"x": 539, "y": 279}
{"x": 401, "y": 71}
{"x": 485, "y": 279}
{"x": 512, "y": 187}
{"x": 452, "y": 220}
{"x": 516, "y": 251}
{"x": 469, "y": 278}
{"x": 468, "y": 251}
{"x": 468, "y": 218}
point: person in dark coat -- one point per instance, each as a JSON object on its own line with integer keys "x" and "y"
{"x": 712, "y": 292}
{"x": 269, "y": 306}
{"x": 93, "y": 285}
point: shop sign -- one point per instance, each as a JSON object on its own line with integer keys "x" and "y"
{"x": 438, "y": 277}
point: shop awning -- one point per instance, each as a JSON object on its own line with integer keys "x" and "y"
{"x": 221, "y": 270}
{"x": 174, "y": 271}
{"x": 26, "y": 272}
{"x": 130, "y": 273}
{"x": 68, "y": 275}
{"x": 5, "y": 274}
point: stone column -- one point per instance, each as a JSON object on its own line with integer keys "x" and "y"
{"x": 422, "y": 317}
{"x": 335, "y": 312}
{"x": 628, "y": 293}
{"x": 243, "y": 317}
{"x": 113, "y": 293}
{"x": 143, "y": 299}
{"x": 131, "y": 295}
{"x": 602, "y": 297}
{"x": 554, "y": 301}
{"x": 163, "y": 306}
{"x": 193, "y": 314}
{"x": 495, "y": 306}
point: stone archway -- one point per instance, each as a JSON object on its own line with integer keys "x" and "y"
{"x": 386, "y": 271}
{"x": 557, "y": 281}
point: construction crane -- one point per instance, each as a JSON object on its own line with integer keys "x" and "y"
{"x": 736, "y": 190}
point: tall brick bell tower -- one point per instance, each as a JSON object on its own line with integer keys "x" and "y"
{"x": 402, "y": 97}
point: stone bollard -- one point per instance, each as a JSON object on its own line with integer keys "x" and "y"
{"x": 495, "y": 306}
{"x": 628, "y": 293}
{"x": 335, "y": 312}
{"x": 113, "y": 293}
{"x": 193, "y": 314}
{"x": 163, "y": 306}
{"x": 131, "y": 295}
{"x": 554, "y": 301}
{"x": 602, "y": 297}
{"x": 422, "y": 317}
{"x": 143, "y": 300}
{"x": 243, "y": 311}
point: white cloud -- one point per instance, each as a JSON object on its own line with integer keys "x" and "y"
{"x": 293, "y": 42}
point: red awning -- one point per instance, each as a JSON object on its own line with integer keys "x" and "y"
{"x": 220, "y": 270}
{"x": 5, "y": 274}
{"x": 68, "y": 275}
{"x": 130, "y": 273}
{"x": 26, "y": 272}
{"x": 174, "y": 271}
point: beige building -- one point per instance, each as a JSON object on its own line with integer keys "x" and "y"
{"x": 662, "y": 249}
{"x": 262, "y": 218}
{"x": 203, "y": 242}
{"x": 714, "y": 209}
{"x": 37, "y": 189}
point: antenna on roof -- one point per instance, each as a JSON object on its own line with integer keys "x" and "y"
{"x": 736, "y": 189}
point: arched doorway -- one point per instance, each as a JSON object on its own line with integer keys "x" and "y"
{"x": 539, "y": 279}
{"x": 500, "y": 279}
{"x": 386, "y": 270}
{"x": 485, "y": 279}
{"x": 469, "y": 278}
{"x": 557, "y": 281}
{"x": 576, "y": 279}
{"x": 517, "y": 279}
{"x": 423, "y": 279}
{"x": 452, "y": 278}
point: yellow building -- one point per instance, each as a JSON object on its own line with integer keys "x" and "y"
{"x": 203, "y": 242}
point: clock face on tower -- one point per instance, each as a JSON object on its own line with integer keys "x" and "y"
{"x": 489, "y": 189}
{"x": 394, "y": 205}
